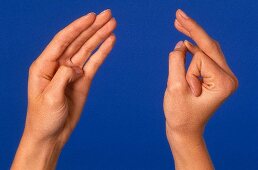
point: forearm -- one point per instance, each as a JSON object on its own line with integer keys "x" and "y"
{"x": 34, "y": 154}
{"x": 189, "y": 151}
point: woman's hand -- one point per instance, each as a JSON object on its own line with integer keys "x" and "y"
{"x": 192, "y": 96}
{"x": 59, "y": 81}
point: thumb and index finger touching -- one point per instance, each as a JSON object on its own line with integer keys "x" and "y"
{"x": 205, "y": 43}
{"x": 207, "y": 50}
{"x": 177, "y": 72}
{"x": 63, "y": 76}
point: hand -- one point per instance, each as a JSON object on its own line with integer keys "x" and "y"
{"x": 59, "y": 81}
{"x": 192, "y": 96}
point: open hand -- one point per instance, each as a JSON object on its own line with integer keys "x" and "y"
{"x": 59, "y": 81}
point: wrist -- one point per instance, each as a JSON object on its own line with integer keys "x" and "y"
{"x": 36, "y": 154}
{"x": 189, "y": 149}
{"x": 184, "y": 136}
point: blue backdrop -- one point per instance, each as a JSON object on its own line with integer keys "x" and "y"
{"x": 122, "y": 126}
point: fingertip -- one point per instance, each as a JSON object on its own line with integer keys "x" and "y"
{"x": 90, "y": 17}
{"x": 188, "y": 44}
{"x": 114, "y": 22}
{"x": 179, "y": 45}
{"x": 106, "y": 12}
{"x": 111, "y": 25}
{"x": 184, "y": 20}
{"x": 93, "y": 14}
{"x": 112, "y": 38}
{"x": 182, "y": 14}
{"x": 177, "y": 13}
{"x": 192, "y": 48}
{"x": 197, "y": 92}
{"x": 177, "y": 23}
{"x": 181, "y": 28}
{"x": 195, "y": 85}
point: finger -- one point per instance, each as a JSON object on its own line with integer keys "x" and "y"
{"x": 177, "y": 65}
{"x": 203, "y": 72}
{"x": 83, "y": 54}
{"x": 197, "y": 33}
{"x": 191, "y": 48}
{"x": 62, "y": 78}
{"x": 96, "y": 60}
{"x": 194, "y": 49}
{"x": 100, "y": 21}
{"x": 193, "y": 73}
{"x": 193, "y": 76}
{"x": 181, "y": 28}
{"x": 203, "y": 40}
{"x": 64, "y": 38}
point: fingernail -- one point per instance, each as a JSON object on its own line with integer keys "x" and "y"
{"x": 183, "y": 14}
{"x": 179, "y": 44}
{"x": 188, "y": 43}
{"x": 105, "y": 11}
{"x": 91, "y": 13}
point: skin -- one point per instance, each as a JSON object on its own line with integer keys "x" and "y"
{"x": 189, "y": 101}
{"x": 59, "y": 82}
{"x": 60, "y": 79}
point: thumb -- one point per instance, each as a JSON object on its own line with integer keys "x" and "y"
{"x": 193, "y": 74}
{"x": 62, "y": 78}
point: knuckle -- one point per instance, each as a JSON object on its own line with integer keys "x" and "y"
{"x": 32, "y": 67}
{"x": 87, "y": 49}
{"x": 199, "y": 55}
{"x": 104, "y": 53}
{"x": 94, "y": 28}
{"x": 60, "y": 39}
{"x": 89, "y": 74}
{"x": 236, "y": 82}
{"x": 75, "y": 28}
{"x": 95, "y": 64}
{"x": 59, "y": 36}
{"x": 101, "y": 34}
{"x": 228, "y": 84}
{"x": 214, "y": 45}
{"x": 176, "y": 87}
{"x": 174, "y": 53}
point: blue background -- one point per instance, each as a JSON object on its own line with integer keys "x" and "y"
{"x": 122, "y": 126}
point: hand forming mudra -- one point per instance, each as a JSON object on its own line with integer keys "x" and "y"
{"x": 193, "y": 95}
{"x": 59, "y": 81}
